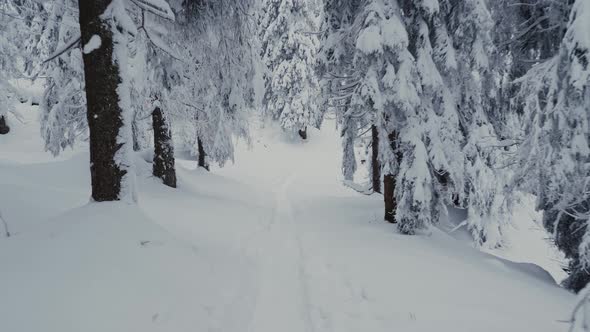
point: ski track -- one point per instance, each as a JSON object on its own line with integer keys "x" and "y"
{"x": 282, "y": 302}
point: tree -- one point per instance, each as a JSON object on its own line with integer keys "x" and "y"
{"x": 156, "y": 74}
{"x": 163, "y": 149}
{"x": 10, "y": 52}
{"x": 338, "y": 78}
{"x": 63, "y": 106}
{"x": 553, "y": 159}
{"x": 375, "y": 164}
{"x": 216, "y": 93}
{"x": 104, "y": 25}
{"x": 473, "y": 77}
{"x": 289, "y": 52}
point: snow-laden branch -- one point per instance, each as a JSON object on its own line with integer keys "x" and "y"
{"x": 157, "y": 7}
{"x": 74, "y": 42}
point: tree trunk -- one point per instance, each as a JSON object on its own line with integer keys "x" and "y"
{"x": 389, "y": 197}
{"x": 303, "y": 133}
{"x": 202, "y": 155}
{"x": 389, "y": 183}
{"x": 163, "y": 149}
{"x": 135, "y": 130}
{"x": 4, "y": 128}
{"x": 105, "y": 118}
{"x": 375, "y": 164}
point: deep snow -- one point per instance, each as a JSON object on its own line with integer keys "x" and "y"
{"x": 272, "y": 243}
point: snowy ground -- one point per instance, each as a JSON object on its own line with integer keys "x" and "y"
{"x": 272, "y": 243}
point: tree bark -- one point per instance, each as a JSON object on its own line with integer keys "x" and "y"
{"x": 102, "y": 77}
{"x": 303, "y": 133}
{"x": 389, "y": 183}
{"x": 163, "y": 149}
{"x": 4, "y": 128}
{"x": 389, "y": 197}
{"x": 375, "y": 164}
{"x": 202, "y": 154}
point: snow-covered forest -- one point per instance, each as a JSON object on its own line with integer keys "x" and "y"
{"x": 294, "y": 165}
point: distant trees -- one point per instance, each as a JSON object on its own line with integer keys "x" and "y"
{"x": 289, "y": 47}
{"x": 216, "y": 93}
{"x": 400, "y": 68}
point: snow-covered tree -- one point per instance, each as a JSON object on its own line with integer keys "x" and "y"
{"x": 11, "y": 52}
{"x": 337, "y": 76}
{"x": 63, "y": 107}
{"x": 289, "y": 48}
{"x": 154, "y": 70}
{"x": 475, "y": 86}
{"x": 106, "y": 28}
{"x": 401, "y": 67}
{"x": 554, "y": 157}
{"x": 218, "y": 68}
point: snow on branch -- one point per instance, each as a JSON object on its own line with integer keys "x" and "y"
{"x": 157, "y": 7}
{"x": 74, "y": 42}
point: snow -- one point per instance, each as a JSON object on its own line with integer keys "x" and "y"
{"x": 272, "y": 243}
{"x": 93, "y": 44}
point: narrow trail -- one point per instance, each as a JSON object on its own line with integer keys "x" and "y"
{"x": 282, "y": 303}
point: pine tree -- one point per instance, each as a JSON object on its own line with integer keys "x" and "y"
{"x": 289, "y": 52}
{"x": 216, "y": 94}
{"x": 63, "y": 106}
{"x": 555, "y": 154}
{"x": 474, "y": 82}
{"x": 338, "y": 78}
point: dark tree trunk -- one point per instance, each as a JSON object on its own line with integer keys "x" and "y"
{"x": 4, "y": 128}
{"x": 375, "y": 164}
{"x": 104, "y": 113}
{"x": 389, "y": 197}
{"x": 303, "y": 133}
{"x": 163, "y": 149}
{"x": 389, "y": 183}
{"x": 202, "y": 155}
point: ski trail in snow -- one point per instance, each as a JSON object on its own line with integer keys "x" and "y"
{"x": 282, "y": 301}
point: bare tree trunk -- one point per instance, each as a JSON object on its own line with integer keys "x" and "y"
{"x": 102, "y": 77}
{"x": 4, "y": 128}
{"x": 375, "y": 164}
{"x": 163, "y": 149}
{"x": 202, "y": 154}
{"x": 389, "y": 183}
{"x": 303, "y": 133}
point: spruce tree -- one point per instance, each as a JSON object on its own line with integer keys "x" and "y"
{"x": 289, "y": 49}
{"x": 554, "y": 157}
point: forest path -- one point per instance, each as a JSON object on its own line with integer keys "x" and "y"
{"x": 282, "y": 302}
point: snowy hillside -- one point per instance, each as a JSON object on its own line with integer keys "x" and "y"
{"x": 265, "y": 245}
